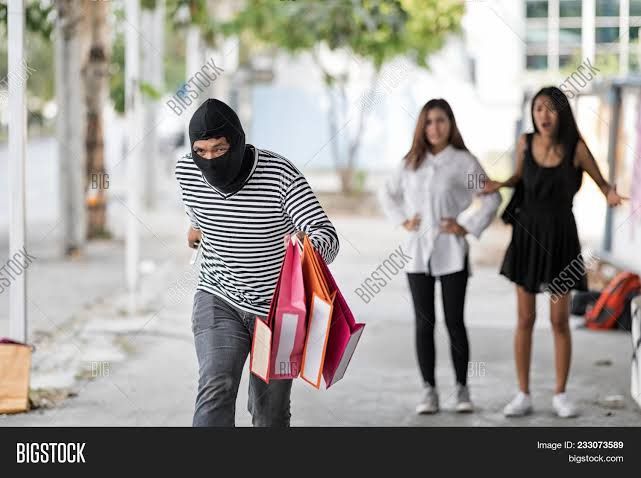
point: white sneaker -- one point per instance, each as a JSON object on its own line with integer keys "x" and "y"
{"x": 429, "y": 404}
{"x": 463, "y": 402}
{"x": 563, "y": 406}
{"x": 519, "y": 406}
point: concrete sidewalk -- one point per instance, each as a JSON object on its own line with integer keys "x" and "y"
{"x": 66, "y": 297}
{"x": 154, "y": 381}
{"x": 59, "y": 288}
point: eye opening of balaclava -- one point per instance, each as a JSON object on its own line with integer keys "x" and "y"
{"x": 215, "y": 119}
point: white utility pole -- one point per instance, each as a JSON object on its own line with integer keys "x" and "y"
{"x": 624, "y": 37}
{"x": 17, "y": 145}
{"x": 588, "y": 30}
{"x": 153, "y": 24}
{"x": 553, "y": 35}
{"x": 134, "y": 129}
{"x": 193, "y": 62}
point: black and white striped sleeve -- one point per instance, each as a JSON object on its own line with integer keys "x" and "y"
{"x": 302, "y": 207}
{"x": 188, "y": 211}
{"x": 192, "y": 218}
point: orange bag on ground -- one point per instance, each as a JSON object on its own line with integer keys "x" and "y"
{"x": 15, "y": 366}
{"x": 613, "y": 301}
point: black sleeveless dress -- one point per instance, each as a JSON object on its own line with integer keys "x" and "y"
{"x": 545, "y": 253}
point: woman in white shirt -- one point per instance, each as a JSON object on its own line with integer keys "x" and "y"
{"x": 430, "y": 194}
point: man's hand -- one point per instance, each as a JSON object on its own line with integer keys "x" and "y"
{"x": 193, "y": 238}
{"x": 300, "y": 235}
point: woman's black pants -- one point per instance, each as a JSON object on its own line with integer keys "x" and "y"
{"x": 453, "y": 288}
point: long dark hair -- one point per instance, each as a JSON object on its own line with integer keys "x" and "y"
{"x": 420, "y": 144}
{"x": 567, "y": 133}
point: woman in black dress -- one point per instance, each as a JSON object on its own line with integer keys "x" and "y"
{"x": 545, "y": 254}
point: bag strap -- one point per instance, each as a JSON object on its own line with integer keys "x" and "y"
{"x": 274, "y": 301}
{"x": 313, "y": 259}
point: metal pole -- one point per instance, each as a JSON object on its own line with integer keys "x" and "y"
{"x": 17, "y": 141}
{"x": 132, "y": 108}
{"x": 193, "y": 61}
{"x": 614, "y": 100}
{"x": 153, "y": 23}
{"x": 553, "y": 35}
{"x": 588, "y": 28}
{"x": 624, "y": 37}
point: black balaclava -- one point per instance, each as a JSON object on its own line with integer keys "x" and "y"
{"x": 228, "y": 172}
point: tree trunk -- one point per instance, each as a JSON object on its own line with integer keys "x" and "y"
{"x": 344, "y": 157}
{"x": 72, "y": 42}
{"x": 355, "y": 142}
{"x": 95, "y": 76}
{"x": 346, "y": 176}
{"x": 332, "y": 116}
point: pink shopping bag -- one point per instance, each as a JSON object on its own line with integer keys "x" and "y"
{"x": 279, "y": 339}
{"x": 289, "y": 325}
{"x": 344, "y": 333}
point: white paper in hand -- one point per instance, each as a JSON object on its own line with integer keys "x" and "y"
{"x": 196, "y": 254}
{"x": 317, "y": 332}
{"x": 282, "y": 364}
{"x": 261, "y": 350}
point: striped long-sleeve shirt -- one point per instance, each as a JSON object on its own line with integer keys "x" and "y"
{"x": 242, "y": 234}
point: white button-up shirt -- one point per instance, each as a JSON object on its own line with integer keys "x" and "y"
{"x": 443, "y": 186}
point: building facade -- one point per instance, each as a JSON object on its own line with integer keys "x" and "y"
{"x": 562, "y": 33}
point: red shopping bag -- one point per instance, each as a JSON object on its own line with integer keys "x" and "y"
{"x": 278, "y": 343}
{"x": 344, "y": 332}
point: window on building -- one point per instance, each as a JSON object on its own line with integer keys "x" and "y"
{"x": 607, "y": 8}
{"x": 536, "y": 9}
{"x": 569, "y": 61}
{"x": 536, "y": 36}
{"x": 570, "y": 36}
{"x": 634, "y": 33}
{"x": 570, "y": 8}
{"x": 607, "y": 34}
{"x": 635, "y": 8}
{"x": 537, "y": 62}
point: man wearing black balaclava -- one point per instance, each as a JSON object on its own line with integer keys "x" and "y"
{"x": 242, "y": 202}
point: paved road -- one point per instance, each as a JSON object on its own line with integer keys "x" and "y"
{"x": 154, "y": 384}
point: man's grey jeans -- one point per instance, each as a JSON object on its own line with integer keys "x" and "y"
{"x": 223, "y": 336}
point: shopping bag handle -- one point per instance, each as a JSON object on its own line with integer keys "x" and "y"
{"x": 295, "y": 240}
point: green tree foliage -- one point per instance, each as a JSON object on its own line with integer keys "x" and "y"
{"x": 174, "y": 66}
{"x": 377, "y": 30}
{"x": 117, "y": 72}
{"x": 38, "y": 16}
